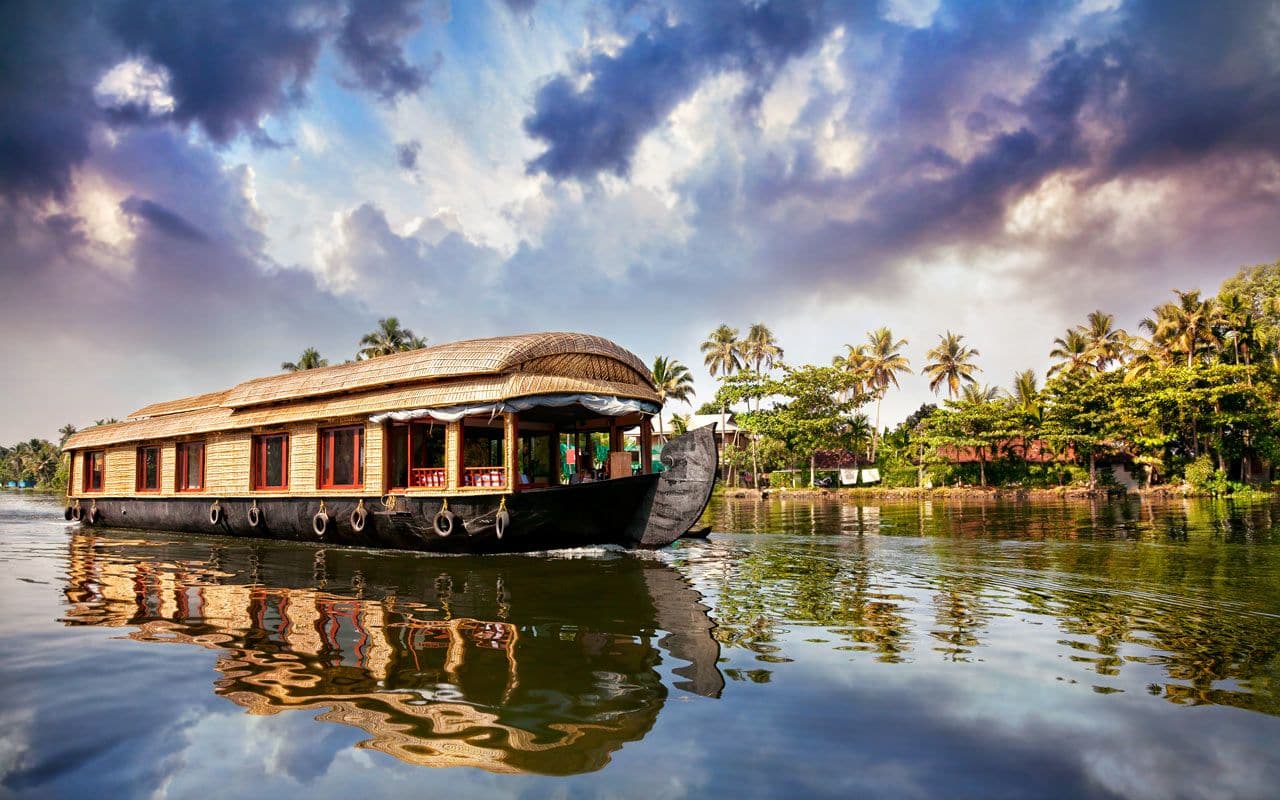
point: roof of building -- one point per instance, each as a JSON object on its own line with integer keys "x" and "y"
{"x": 472, "y": 371}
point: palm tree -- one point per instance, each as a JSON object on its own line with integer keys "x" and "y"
{"x": 1241, "y": 326}
{"x": 856, "y": 362}
{"x": 1073, "y": 352}
{"x": 978, "y": 394}
{"x": 673, "y": 382}
{"x": 951, "y": 362}
{"x": 722, "y": 354}
{"x": 1106, "y": 342}
{"x": 679, "y": 424}
{"x": 884, "y": 361}
{"x": 389, "y": 338}
{"x": 1026, "y": 393}
{"x": 310, "y": 359}
{"x": 1028, "y": 402}
{"x": 65, "y": 433}
{"x": 1188, "y": 326}
{"x": 722, "y": 351}
{"x": 760, "y": 349}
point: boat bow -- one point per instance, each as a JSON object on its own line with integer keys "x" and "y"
{"x": 690, "y": 464}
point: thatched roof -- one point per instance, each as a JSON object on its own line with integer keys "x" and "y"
{"x": 473, "y": 371}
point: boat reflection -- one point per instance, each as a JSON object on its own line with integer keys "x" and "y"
{"x": 509, "y": 664}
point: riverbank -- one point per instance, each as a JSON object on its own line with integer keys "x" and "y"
{"x": 977, "y": 493}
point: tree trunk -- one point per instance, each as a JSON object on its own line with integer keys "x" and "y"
{"x": 1093, "y": 470}
{"x": 875, "y": 434}
{"x": 813, "y": 470}
{"x": 982, "y": 466}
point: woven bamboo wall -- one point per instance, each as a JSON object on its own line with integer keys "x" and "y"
{"x": 226, "y": 463}
{"x": 302, "y": 458}
{"x": 228, "y": 460}
{"x": 373, "y": 451}
{"x": 121, "y": 466}
{"x": 452, "y": 454}
{"x": 168, "y": 467}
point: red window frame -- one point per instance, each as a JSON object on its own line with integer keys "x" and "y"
{"x": 258, "y": 480}
{"x": 324, "y": 470}
{"x": 140, "y": 476}
{"x": 183, "y": 459}
{"x": 92, "y": 457}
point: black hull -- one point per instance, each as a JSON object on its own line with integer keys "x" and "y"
{"x": 643, "y": 510}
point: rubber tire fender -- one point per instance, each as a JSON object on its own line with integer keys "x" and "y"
{"x": 215, "y": 514}
{"x": 254, "y": 516}
{"x": 444, "y": 523}
{"x": 501, "y": 522}
{"x": 320, "y": 524}
{"x": 358, "y": 518}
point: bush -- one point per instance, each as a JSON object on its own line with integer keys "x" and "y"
{"x": 1201, "y": 476}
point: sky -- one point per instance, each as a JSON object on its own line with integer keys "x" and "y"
{"x": 192, "y": 193}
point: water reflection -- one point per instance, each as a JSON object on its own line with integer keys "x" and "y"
{"x": 1157, "y": 598}
{"x": 508, "y": 664}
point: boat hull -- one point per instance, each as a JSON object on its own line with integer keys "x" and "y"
{"x": 638, "y": 511}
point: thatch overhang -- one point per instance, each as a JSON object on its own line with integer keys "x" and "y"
{"x": 473, "y": 371}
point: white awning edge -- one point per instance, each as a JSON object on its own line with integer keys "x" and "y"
{"x": 601, "y": 404}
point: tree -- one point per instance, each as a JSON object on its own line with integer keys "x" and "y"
{"x": 1080, "y": 414}
{"x": 388, "y": 338}
{"x": 310, "y": 359}
{"x": 979, "y": 421}
{"x": 1186, "y": 327}
{"x": 951, "y": 363}
{"x": 1107, "y": 343}
{"x": 760, "y": 349}
{"x": 722, "y": 354}
{"x": 673, "y": 382}
{"x": 884, "y": 361}
{"x": 814, "y": 412}
{"x": 1073, "y": 353}
{"x": 65, "y": 433}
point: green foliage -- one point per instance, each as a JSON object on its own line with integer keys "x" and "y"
{"x": 1203, "y": 477}
{"x": 35, "y": 461}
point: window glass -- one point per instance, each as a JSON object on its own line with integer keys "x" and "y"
{"x": 190, "y": 466}
{"x": 94, "y": 466}
{"x": 148, "y": 469}
{"x": 274, "y": 455}
{"x": 342, "y": 457}
{"x": 535, "y": 458}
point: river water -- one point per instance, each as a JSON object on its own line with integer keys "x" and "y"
{"x": 807, "y": 649}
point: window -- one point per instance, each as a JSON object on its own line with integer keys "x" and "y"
{"x": 190, "y": 466}
{"x": 415, "y": 455}
{"x": 482, "y": 453}
{"x": 342, "y": 458}
{"x": 95, "y": 464}
{"x": 535, "y": 458}
{"x": 148, "y": 476}
{"x": 271, "y": 461}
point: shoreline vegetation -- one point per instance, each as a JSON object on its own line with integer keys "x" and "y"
{"x": 1190, "y": 405}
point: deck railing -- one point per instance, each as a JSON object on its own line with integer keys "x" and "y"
{"x": 432, "y": 477}
{"x": 484, "y": 476}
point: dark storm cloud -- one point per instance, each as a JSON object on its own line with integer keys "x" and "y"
{"x": 371, "y": 41}
{"x": 46, "y": 100}
{"x": 597, "y": 128}
{"x": 161, "y": 218}
{"x": 228, "y": 65}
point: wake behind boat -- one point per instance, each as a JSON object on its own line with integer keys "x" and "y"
{"x": 505, "y": 444}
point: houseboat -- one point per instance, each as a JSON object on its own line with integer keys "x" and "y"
{"x": 513, "y": 443}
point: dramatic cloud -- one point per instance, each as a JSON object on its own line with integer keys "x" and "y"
{"x": 593, "y": 119}
{"x": 640, "y": 170}
{"x": 371, "y": 40}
